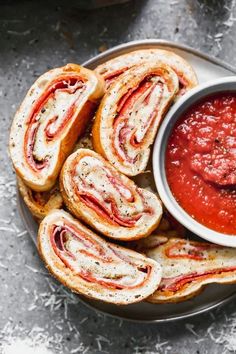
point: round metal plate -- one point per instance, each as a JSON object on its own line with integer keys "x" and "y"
{"x": 212, "y": 296}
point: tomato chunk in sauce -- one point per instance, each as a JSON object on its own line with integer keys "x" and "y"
{"x": 201, "y": 162}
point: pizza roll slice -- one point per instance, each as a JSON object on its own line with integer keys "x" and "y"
{"x": 113, "y": 68}
{"x": 188, "y": 266}
{"x": 130, "y": 114}
{"x": 49, "y": 121}
{"x": 95, "y": 192}
{"x": 90, "y": 266}
{"x": 40, "y": 203}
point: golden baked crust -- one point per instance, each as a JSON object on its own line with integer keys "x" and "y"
{"x": 111, "y": 69}
{"x": 130, "y": 114}
{"x": 108, "y": 201}
{"x": 90, "y": 266}
{"x": 50, "y": 119}
{"x": 40, "y": 203}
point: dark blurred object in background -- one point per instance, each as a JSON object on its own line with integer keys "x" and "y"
{"x": 93, "y": 4}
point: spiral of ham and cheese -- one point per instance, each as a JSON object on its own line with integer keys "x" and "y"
{"x": 130, "y": 113}
{"x": 93, "y": 267}
{"x": 107, "y": 200}
{"x": 113, "y": 68}
{"x": 188, "y": 266}
{"x": 53, "y": 114}
{"x": 40, "y": 203}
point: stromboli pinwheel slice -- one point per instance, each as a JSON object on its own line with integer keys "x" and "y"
{"x": 50, "y": 119}
{"x": 113, "y": 68}
{"x": 90, "y": 266}
{"x": 95, "y": 192}
{"x": 130, "y": 114}
{"x": 40, "y": 203}
{"x": 188, "y": 266}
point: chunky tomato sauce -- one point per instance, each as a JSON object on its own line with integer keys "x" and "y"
{"x": 201, "y": 162}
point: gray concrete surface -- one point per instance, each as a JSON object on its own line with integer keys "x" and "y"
{"x": 35, "y": 36}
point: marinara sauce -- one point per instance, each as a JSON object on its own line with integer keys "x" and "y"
{"x": 201, "y": 162}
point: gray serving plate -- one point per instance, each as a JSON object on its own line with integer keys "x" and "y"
{"x": 207, "y": 68}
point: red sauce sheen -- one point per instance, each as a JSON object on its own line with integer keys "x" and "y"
{"x": 201, "y": 162}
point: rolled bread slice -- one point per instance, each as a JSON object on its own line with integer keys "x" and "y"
{"x": 95, "y": 192}
{"x": 113, "y": 68}
{"x": 52, "y": 116}
{"x": 188, "y": 266}
{"x": 90, "y": 266}
{"x": 130, "y": 114}
{"x": 40, "y": 203}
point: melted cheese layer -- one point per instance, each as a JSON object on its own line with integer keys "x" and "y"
{"x": 106, "y": 267}
{"x": 212, "y": 258}
{"x": 92, "y": 177}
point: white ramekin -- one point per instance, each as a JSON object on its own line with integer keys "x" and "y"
{"x": 158, "y": 160}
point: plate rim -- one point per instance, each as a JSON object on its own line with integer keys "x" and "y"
{"x": 135, "y": 45}
{"x": 162, "y": 42}
{"x": 185, "y": 315}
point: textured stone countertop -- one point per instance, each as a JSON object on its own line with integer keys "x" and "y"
{"x": 35, "y": 36}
